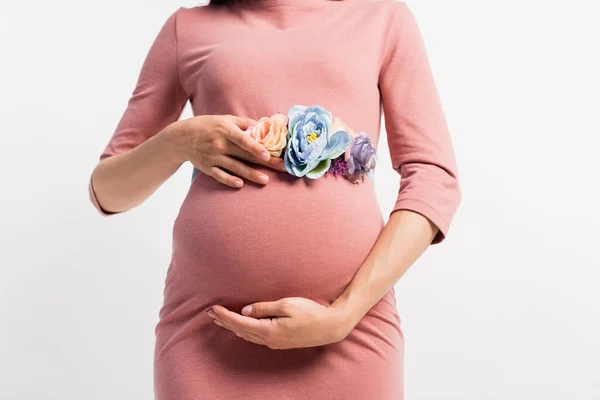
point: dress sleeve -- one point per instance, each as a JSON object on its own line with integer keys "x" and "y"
{"x": 157, "y": 100}
{"x": 418, "y": 138}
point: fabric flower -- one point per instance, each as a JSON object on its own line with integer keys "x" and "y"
{"x": 338, "y": 166}
{"x": 311, "y": 141}
{"x": 361, "y": 159}
{"x": 271, "y": 132}
{"x": 338, "y": 125}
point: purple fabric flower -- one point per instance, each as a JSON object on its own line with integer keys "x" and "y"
{"x": 361, "y": 159}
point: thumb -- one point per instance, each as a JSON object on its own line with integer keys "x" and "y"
{"x": 264, "y": 309}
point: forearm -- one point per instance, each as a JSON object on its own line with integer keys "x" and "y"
{"x": 403, "y": 239}
{"x": 125, "y": 180}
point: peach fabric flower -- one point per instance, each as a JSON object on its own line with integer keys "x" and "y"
{"x": 271, "y": 132}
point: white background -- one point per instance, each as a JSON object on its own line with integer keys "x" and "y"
{"x": 505, "y": 308}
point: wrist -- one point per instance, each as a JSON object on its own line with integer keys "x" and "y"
{"x": 346, "y": 316}
{"x": 176, "y": 141}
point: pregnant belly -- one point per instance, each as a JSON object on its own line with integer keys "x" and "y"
{"x": 292, "y": 237}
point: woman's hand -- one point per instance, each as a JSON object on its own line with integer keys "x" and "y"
{"x": 214, "y": 142}
{"x": 291, "y": 322}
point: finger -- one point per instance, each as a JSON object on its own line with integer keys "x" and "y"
{"x": 225, "y": 178}
{"x": 227, "y": 326}
{"x": 243, "y": 122}
{"x": 255, "y": 340}
{"x": 239, "y": 322}
{"x": 266, "y": 309}
{"x": 242, "y": 170}
{"x": 245, "y": 141}
{"x": 249, "y": 336}
{"x": 276, "y": 163}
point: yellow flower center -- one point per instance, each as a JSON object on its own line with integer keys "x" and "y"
{"x": 311, "y": 137}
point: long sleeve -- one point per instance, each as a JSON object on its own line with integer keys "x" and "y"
{"x": 417, "y": 132}
{"x": 157, "y": 100}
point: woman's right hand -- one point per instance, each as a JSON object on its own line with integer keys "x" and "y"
{"x": 216, "y": 142}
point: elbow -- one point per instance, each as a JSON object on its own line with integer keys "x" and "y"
{"x": 443, "y": 211}
{"x": 431, "y": 191}
{"x": 456, "y": 196}
{"x": 451, "y": 196}
{"x": 93, "y": 197}
{"x": 451, "y": 199}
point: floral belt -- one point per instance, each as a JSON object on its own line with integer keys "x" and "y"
{"x": 313, "y": 143}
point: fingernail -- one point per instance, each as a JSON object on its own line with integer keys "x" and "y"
{"x": 263, "y": 178}
{"x": 238, "y": 183}
{"x": 247, "y": 310}
{"x": 264, "y": 155}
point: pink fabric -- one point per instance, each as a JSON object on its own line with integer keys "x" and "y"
{"x": 294, "y": 236}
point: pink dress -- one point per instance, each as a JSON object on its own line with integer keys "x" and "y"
{"x": 294, "y": 236}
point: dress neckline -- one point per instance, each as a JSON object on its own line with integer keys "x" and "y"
{"x": 286, "y": 3}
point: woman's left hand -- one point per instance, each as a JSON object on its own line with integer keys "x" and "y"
{"x": 291, "y": 322}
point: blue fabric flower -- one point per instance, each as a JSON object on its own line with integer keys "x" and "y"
{"x": 311, "y": 145}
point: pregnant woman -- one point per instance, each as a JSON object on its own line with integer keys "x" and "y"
{"x": 281, "y": 285}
